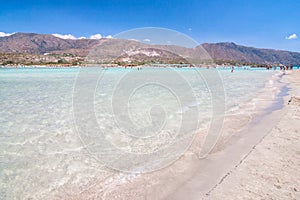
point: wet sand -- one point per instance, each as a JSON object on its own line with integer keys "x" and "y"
{"x": 261, "y": 163}
{"x": 272, "y": 168}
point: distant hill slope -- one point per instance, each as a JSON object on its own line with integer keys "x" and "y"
{"x": 43, "y": 43}
{"x": 231, "y": 51}
{"x": 222, "y": 52}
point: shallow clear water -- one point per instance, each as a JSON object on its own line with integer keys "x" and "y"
{"x": 47, "y": 146}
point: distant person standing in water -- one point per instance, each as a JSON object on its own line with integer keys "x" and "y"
{"x": 232, "y": 69}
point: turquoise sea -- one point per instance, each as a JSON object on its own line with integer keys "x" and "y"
{"x": 47, "y": 146}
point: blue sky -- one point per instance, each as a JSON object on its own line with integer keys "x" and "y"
{"x": 259, "y": 23}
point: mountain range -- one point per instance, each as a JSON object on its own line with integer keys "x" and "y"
{"x": 129, "y": 50}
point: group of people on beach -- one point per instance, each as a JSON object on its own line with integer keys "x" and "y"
{"x": 282, "y": 67}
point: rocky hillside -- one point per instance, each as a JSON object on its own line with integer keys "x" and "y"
{"x": 39, "y": 44}
{"x": 43, "y": 43}
{"x": 232, "y": 51}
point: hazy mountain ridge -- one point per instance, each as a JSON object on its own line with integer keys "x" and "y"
{"x": 231, "y": 51}
{"x": 43, "y": 43}
{"x": 32, "y": 43}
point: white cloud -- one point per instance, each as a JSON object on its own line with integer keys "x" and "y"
{"x": 68, "y": 36}
{"x": 292, "y": 36}
{"x": 2, "y": 34}
{"x": 96, "y": 36}
{"x": 146, "y": 40}
{"x": 134, "y": 40}
{"x": 190, "y": 29}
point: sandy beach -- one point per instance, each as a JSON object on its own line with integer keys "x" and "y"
{"x": 262, "y": 163}
{"x": 271, "y": 170}
{"x": 259, "y": 162}
{"x": 158, "y": 100}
